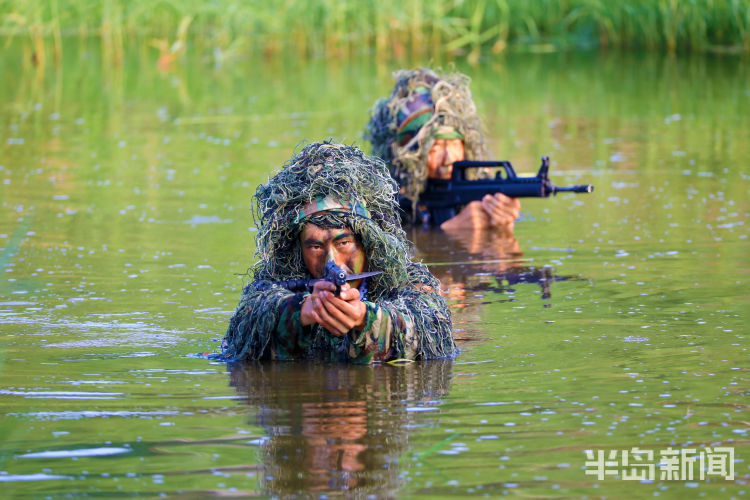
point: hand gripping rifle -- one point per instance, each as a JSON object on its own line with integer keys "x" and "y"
{"x": 333, "y": 274}
{"x": 442, "y": 194}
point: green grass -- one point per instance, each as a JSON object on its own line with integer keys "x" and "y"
{"x": 224, "y": 29}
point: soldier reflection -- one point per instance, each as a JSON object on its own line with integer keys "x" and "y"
{"x": 337, "y": 428}
{"x": 468, "y": 263}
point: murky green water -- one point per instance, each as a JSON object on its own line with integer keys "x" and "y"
{"x": 611, "y": 321}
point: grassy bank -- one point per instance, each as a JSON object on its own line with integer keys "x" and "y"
{"x": 223, "y": 29}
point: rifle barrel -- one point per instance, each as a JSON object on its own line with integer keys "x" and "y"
{"x": 582, "y": 188}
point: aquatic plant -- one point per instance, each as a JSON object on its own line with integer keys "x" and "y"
{"x": 227, "y": 29}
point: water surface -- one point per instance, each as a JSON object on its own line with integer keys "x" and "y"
{"x": 605, "y": 322}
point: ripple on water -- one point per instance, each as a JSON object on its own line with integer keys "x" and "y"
{"x": 95, "y": 382}
{"x": 633, "y": 338}
{"x": 81, "y": 452}
{"x": 12, "y": 478}
{"x": 497, "y": 403}
{"x": 104, "y": 333}
{"x": 75, "y": 415}
{"x": 63, "y": 394}
{"x": 206, "y": 219}
{"x": 175, "y": 372}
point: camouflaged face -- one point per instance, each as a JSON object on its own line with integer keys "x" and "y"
{"x": 325, "y": 171}
{"x": 392, "y": 134}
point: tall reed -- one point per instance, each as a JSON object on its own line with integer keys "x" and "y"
{"x": 230, "y": 28}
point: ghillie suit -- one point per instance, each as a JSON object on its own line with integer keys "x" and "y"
{"x": 423, "y": 106}
{"x": 406, "y": 315}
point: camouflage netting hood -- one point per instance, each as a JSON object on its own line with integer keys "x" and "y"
{"x": 423, "y": 106}
{"x": 330, "y": 171}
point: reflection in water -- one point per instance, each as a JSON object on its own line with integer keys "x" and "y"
{"x": 337, "y": 428}
{"x": 471, "y": 262}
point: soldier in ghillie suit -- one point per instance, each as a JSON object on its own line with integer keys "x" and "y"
{"x": 331, "y": 202}
{"x": 428, "y": 122}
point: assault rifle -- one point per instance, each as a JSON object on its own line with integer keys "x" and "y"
{"x": 333, "y": 274}
{"x": 445, "y": 194}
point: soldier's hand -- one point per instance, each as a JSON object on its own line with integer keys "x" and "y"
{"x": 339, "y": 314}
{"x": 498, "y": 211}
{"x": 502, "y": 210}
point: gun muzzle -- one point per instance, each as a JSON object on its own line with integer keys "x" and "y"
{"x": 582, "y": 188}
{"x": 336, "y": 275}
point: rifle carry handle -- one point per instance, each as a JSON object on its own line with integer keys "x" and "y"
{"x": 460, "y": 168}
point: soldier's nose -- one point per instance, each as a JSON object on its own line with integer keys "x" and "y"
{"x": 338, "y": 259}
{"x": 449, "y": 158}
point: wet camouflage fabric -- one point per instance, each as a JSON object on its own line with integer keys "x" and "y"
{"x": 395, "y": 327}
{"x": 407, "y": 316}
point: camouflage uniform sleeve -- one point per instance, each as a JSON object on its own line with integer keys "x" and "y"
{"x": 413, "y": 323}
{"x": 266, "y": 325}
{"x": 290, "y": 341}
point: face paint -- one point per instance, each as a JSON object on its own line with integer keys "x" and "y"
{"x": 442, "y": 155}
{"x": 340, "y": 245}
{"x": 359, "y": 263}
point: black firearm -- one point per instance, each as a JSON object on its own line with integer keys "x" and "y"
{"x": 445, "y": 194}
{"x": 333, "y": 274}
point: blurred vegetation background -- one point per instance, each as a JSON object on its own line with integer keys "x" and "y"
{"x": 221, "y": 30}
